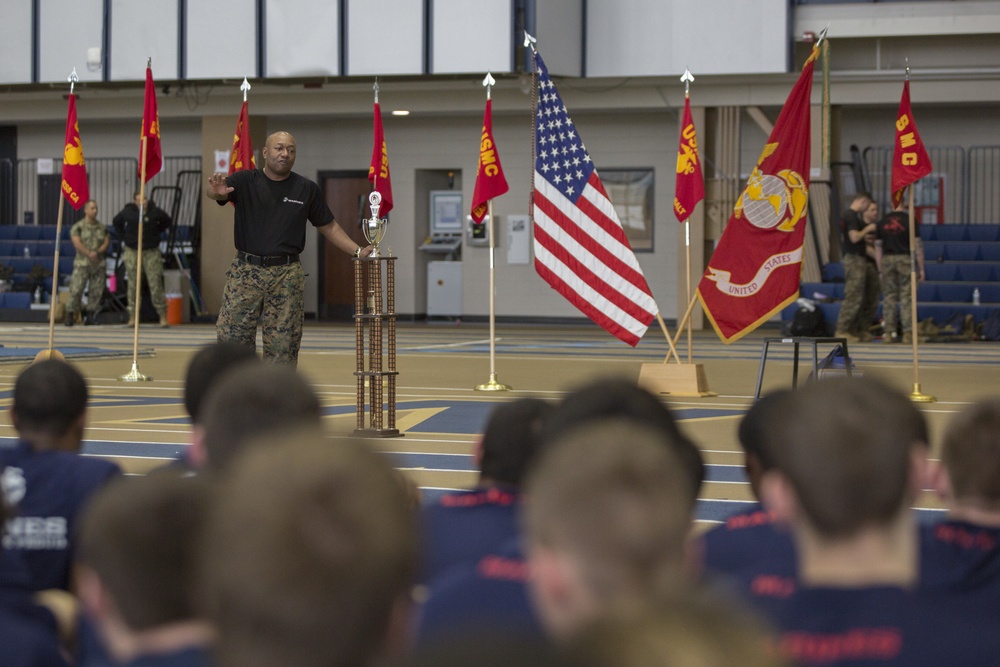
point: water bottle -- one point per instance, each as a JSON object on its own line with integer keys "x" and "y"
{"x": 38, "y": 294}
{"x": 975, "y": 297}
{"x": 27, "y": 250}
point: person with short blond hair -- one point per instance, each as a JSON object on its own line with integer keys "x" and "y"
{"x": 310, "y": 553}
{"x": 609, "y": 512}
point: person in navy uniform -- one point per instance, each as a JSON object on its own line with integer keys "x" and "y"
{"x": 265, "y": 283}
{"x": 43, "y": 476}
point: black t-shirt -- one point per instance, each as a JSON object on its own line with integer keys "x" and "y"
{"x": 894, "y": 232}
{"x": 851, "y": 220}
{"x": 271, "y": 215}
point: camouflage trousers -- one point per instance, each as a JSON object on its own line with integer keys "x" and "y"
{"x": 857, "y": 312}
{"x": 896, "y": 291}
{"x": 86, "y": 272}
{"x": 152, "y": 269}
{"x": 270, "y": 296}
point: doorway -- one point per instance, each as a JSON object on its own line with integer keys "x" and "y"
{"x": 346, "y": 193}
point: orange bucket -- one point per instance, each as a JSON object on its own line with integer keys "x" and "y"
{"x": 175, "y": 309}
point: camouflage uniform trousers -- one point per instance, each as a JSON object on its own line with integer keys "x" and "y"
{"x": 152, "y": 269}
{"x": 896, "y": 290}
{"x": 85, "y": 271}
{"x": 857, "y": 311}
{"x": 272, "y": 296}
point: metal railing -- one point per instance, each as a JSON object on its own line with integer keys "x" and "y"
{"x": 982, "y": 196}
{"x": 939, "y": 197}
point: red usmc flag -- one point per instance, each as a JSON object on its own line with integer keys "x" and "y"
{"x": 242, "y": 155}
{"x": 756, "y": 267}
{"x": 690, "y": 187}
{"x": 150, "y": 131}
{"x": 910, "y": 161}
{"x": 74, "y": 174}
{"x": 490, "y": 181}
{"x": 378, "y": 172}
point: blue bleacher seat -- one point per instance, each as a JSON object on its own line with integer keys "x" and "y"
{"x": 927, "y": 291}
{"x": 8, "y": 232}
{"x": 962, "y": 252}
{"x": 989, "y": 292}
{"x": 977, "y": 272}
{"x": 955, "y": 292}
{"x": 944, "y": 232}
{"x": 984, "y": 233}
{"x": 939, "y": 271}
{"x": 29, "y": 232}
{"x": 933, "y": 250}
{"x": 833, "y": 272}
{"x": 15, "y": 300}
{"x": 989, "y": 252}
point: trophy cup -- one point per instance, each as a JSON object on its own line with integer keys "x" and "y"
{"x": 374, "y": 227}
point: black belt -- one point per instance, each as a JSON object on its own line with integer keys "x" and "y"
{"x": 268, "y": 260}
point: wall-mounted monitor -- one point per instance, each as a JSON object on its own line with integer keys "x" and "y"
{"x": 447, "y": 215}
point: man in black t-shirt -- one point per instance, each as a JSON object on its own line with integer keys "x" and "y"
{"x": 892, "y": 254}
{"x": 265, "y": 283}
{"x": 860, "y": 274}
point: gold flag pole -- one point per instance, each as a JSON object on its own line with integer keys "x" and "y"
{"x": 916, "y": 396}
{"x": 134, "y": 375}
{"x": 51, "y": 353}
{"x": 493, "y": 384}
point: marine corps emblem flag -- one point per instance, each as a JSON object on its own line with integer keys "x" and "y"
{"x": 74, "y": 174}
{"x": 756, "y": 267}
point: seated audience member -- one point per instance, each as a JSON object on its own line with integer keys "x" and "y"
{"x": 614, "y": 398}
{"x": 606, "y": 524}
{"x": 310, "y": 552}
{"x": 249, "y": 403}
{"x": 847, "y": 496}
{"x": 462, "y": 526}
{"x": 27, "y": 635}
{"x": 474, "y": 567}
{"x": 44, "y": 478}
{"x": 962, "y": 554}
{"x": 135, "y": 571}
{"x": 749, "y": 549}
{"x": 204, "y": 370}
{"x": 691, "y": 630}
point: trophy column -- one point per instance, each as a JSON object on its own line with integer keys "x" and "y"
{"x": 372, "y": 317}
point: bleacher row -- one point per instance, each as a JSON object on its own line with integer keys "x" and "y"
{"x": 959, "y": 259}
{"x": 25, "y": 247}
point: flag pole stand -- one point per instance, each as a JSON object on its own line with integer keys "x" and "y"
{"x": 680, "y": 379}
{"x": 916, "y": 395}
{"x": 134, "y": 375}
{"x": 493, "y": 384}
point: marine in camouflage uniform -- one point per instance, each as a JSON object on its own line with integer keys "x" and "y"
{"x": 861, "y": 285}
{"x": 265, "y": 284}
{"x": 893, "y": 255}
{"x": 155, "y": 221}
{"x": 91, "y": 239}
{"x": 152, "y": 269}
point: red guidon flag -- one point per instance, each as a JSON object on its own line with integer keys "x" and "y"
{"x": 150, "y": 131}
{"x": 690, "y": 187}
{"x": 756, "y": 267}
{"x": 242, "y": 155}
{"x": 581, "y": 250}
{"x": 490, "y": 181}
{"x": 910, "y": 161}
{"x": 74, "y": 174}
{"x": 378, "y": 172}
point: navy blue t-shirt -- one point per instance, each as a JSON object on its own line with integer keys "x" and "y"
{"x": 464, "y": 526}
{"x": 47, "y": 491}
{"x": 878, "y": 625}
{"x": 24, "y": 643}
{"x": 750, "y": 551}
{"x": 963, "y": 559}
{"x": 271, "y": 216}
{"x": 488, "y": 594}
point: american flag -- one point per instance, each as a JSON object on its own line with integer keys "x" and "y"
{"x": 581, "y": 250}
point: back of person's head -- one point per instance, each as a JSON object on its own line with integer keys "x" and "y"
{"x": 140, "y": 537}
{"x": 847, "y": 448}
{"x": 50, "y": 397}
{"x": 310, "y": 552}
{"x": 615, "y": 398}
{"x": 689, "y": 631}
{"x": 206, "y": 367}
{"x": 253, "y": 401}
{"x": 861, "y": 200}
{"x": 511, "y": 440}
{"x": 756, "y": 431}
{"x": 617, "y": 504}
{"x": 971, "y": 455}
